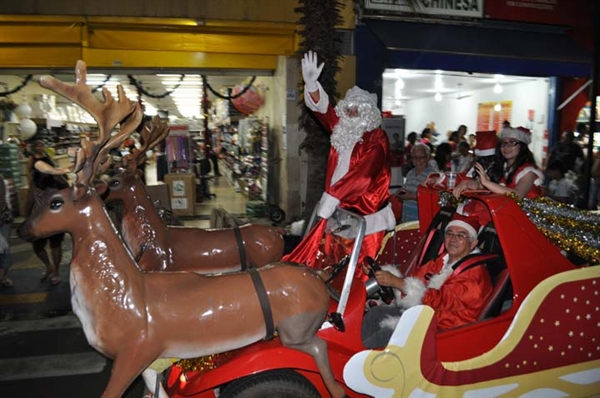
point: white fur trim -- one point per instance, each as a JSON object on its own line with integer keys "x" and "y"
{"x": 462, "y": 224}
{"x": 389, "y": 322}
{"x": 414, "y": 290}
{"x": 516, "y": 134}
{"x": 327, "y": 205}
{"x": 320, "y": 106}
{"x": 485, "y": 152}
{"x": 392, "y": 269}
{"x": 342, "y": 166}
{"x": 540, "y": 176}
{"x": 436, "y": 281}
{"x": 383, "y": 220}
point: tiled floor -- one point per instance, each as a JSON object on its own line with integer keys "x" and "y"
{"x": 226, "y": 196}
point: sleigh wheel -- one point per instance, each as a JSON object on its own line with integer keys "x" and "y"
{"x": 275, "y": 384}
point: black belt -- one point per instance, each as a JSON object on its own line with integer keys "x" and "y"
{"x": 241, "y": 249}
{"x": 263, "y": 299}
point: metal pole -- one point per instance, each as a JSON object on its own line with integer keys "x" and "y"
{"x": 593, "y": 94}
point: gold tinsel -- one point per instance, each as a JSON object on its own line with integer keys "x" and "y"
{"x": 203, "y": 364}
{"x": 571, "y": 229}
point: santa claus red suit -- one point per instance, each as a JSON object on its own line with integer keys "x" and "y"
{"x": 358, "y": 173}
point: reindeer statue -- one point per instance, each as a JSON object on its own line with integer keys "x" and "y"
{"x": 159, "y": 247}
{"x": 136, "y": 317}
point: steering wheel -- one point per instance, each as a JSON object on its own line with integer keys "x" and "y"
{"x": 386, "y": 292}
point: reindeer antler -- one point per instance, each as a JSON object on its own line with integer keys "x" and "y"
{"x": 154, "y": 131}
{"x": 107, "y": 114}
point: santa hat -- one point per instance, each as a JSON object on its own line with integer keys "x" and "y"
{"x": 520, "y": 134}
{"x": 471, "y": 224}
{"x": 359, "y": 95}
{"x": 486, "y": 143}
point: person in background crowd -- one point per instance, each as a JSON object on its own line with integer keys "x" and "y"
{"x": 513, "y": 170}
{"x": 443, "y": 156}
{"x": 581, "y": 130}
{"x": 426, "y": 137}
{"x": 6, "y": 219}
{"x": 453, "y": 140}
{"x": 463, "y": 162}
{"x": 472, "y": 141}
{"x": 358, "y": 168}
{"x": 560, "y": 187}
{"x": 420, "y": 155}
{"x": 568, "y": 152}
{"x": 462, "y": 133}
{"x": 162, "y": 166}
{"x": 408, "y": 164}
{"x": 44, "y": 175}
{"x": 456, "y": 297}
{"x": 505, "y": 125}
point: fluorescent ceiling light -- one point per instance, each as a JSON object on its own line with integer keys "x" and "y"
{"x": 438, "y": 97}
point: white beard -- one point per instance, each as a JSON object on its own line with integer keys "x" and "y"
{"x": 346, "y": 133}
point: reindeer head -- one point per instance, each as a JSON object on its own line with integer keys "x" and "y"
{"x": 117, "y": 187}
{"x": 62, "y": 211}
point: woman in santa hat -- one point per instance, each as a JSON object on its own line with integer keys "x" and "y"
{"x": 513, "y": 171}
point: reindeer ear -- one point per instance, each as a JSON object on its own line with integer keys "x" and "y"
{"x": 101, "y": 187}
{"x": 79, "y": 191}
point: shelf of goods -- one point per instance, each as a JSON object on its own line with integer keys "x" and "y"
{"x": 9, "y": 163}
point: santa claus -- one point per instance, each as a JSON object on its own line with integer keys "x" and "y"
{"x": 358, "y": 172}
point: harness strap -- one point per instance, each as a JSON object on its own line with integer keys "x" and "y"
{"x": 263, "y": 299}
{"x": 470, "y": 261}
{"x": 241, "y": 249}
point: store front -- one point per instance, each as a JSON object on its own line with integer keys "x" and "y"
{"x": 218, "y": 83}
{"x": 532, "y": 64}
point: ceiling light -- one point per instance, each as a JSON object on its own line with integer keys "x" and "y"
{"x": 438, "y": 97}
{"x": 497, "y": 88}
{"x": 497, "y": 107}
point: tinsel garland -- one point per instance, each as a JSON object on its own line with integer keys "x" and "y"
{"x": 573, "y": 230}
{"x": 203, "y": 364}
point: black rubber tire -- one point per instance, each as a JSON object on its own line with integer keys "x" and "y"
{"x": 277, "y": 215}
{"x": 273, "y": 384}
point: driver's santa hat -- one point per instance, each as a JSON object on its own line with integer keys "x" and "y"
{"x": 357, "y": 94}
{"x": 471, "y": 224}
{"x": 486, "y": 143}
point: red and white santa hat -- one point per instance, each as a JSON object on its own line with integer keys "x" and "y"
{"x": 486, "y": 143}
{"x": 520, "y": 134}
{"x": 471, "y": 224}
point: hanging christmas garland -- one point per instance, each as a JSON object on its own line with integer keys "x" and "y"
{"x": 18, "y": 88}
{"x": 98, "y": 87}
{"x": 228, "y": 97}
{"x": 134, "y": 82}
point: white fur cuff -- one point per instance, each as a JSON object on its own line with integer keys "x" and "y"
{"x": 321, "y": 106}
{"x": 327, "y": 205}
{"x": 414, "y": 290}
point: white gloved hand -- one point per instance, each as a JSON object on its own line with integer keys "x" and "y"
{"x": 310, "y": 71}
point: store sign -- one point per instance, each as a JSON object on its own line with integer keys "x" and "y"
{"x": 552, "y": 12}
{"x": 450, "y": 8}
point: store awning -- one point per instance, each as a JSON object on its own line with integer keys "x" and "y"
{"x": 506, "y": 48}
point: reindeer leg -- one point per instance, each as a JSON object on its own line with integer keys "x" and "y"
{"x": 126, "y": 367}
{"x": 150, "y": 376}
{"x": 317, "y": 348}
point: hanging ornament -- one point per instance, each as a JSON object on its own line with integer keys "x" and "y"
{"x": 23, "y": 111}
{"x": 249, "y": 102}
{"x": 28, "y": 128}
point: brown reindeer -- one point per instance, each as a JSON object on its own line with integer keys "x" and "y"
{"x": 158, "y": 247}
{"x": 136, "y": 317}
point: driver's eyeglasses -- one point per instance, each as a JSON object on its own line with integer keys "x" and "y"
{"x": 418, "y": 157}
{"x": 458, "y": 236}
{"x": 510, "y": 143}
